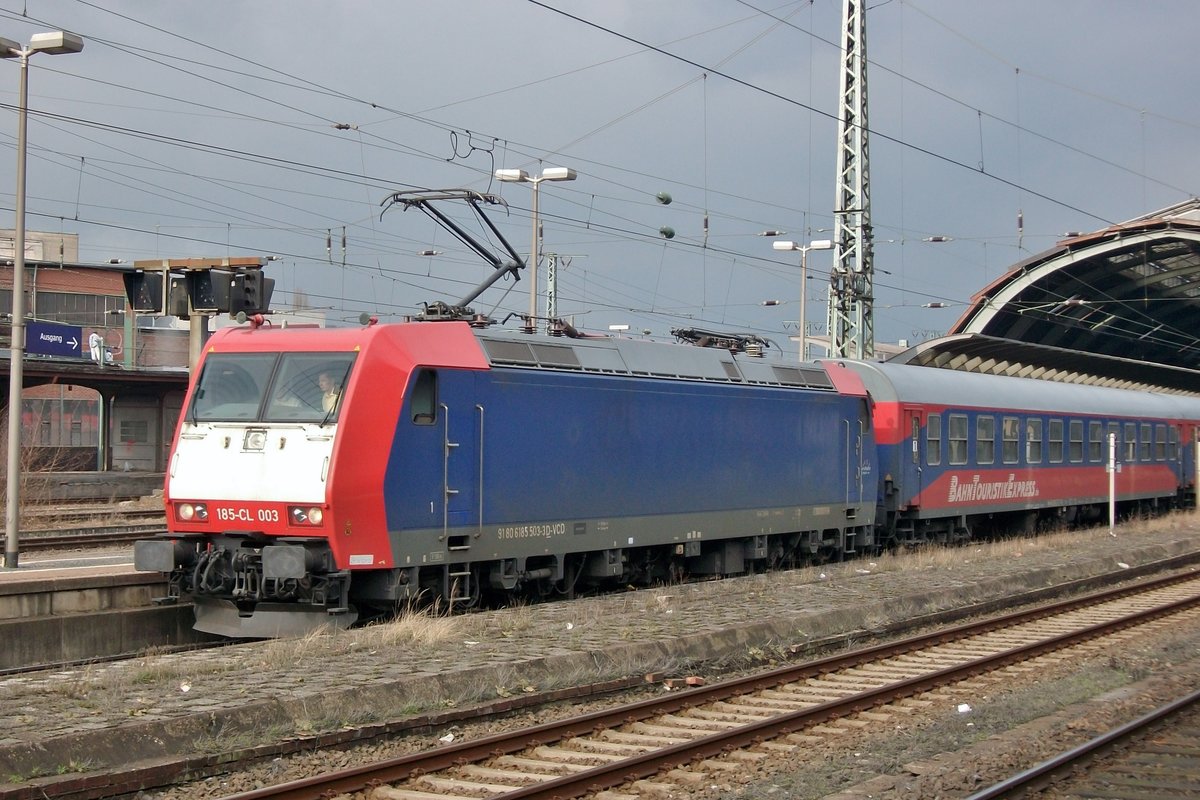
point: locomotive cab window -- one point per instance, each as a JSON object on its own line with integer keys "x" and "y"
{"x": 308, "y": 387}
{"x": 424, "y": 398}
{"x": 231, "y": 387}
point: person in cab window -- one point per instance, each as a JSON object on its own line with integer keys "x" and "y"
{"x": 330, "y": 391}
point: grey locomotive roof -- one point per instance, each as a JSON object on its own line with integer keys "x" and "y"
{"x": 639, "y": 357}
{"x": 934, "y": 386}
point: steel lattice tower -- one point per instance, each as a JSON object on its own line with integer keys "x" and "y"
{"x": 851, "y": 282}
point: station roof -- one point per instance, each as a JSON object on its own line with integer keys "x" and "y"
{"x": 1118, "y": 307}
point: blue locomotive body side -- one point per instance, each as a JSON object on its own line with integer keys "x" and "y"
{"x": 555, "y": 462}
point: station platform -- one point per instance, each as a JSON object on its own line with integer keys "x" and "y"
{"x": 69, "y": 607}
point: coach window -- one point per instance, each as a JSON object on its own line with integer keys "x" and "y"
{"x": 1144, "y": 439}
{"x": 1075, "y": 448}
{"x": 1010, "y": 431}
{"x": 958, "y": 438}
{"x": 1095, "y": 442}
{"x": 933, "y": 439}
{"x": 424, "y": 398}
{"x": 985, "y": 440}
{"x": 1160, "y": 442}
{"x": 1173, "y": 443}
{"x": 1130, "y": 442}
{"x": 1056, "y": 441}
{"x": 1033, "y": 441}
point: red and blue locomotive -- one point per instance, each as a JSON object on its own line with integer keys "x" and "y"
{"x": 459, "y": 462}
{"x": 455, "y": 462}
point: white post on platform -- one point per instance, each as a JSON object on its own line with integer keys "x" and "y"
{"x": 1112, "y": 484}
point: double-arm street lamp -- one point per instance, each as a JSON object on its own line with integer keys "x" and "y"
{"x": 54, "y": 43}
{"x": 816, "y": 244}
{"x": 521, "y": 176}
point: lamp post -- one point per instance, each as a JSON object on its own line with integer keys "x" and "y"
{"x": 521, "y": 176}
{"x": 54, "y": 43}
{"x": 816, "y": 244}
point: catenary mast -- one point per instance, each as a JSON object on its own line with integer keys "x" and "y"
{"x": 851, "y": 282}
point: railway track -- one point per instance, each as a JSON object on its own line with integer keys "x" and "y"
{"x": 87, "y": 526}
{"x": 1152, "y": 756}
{"x": 673, "y": 743}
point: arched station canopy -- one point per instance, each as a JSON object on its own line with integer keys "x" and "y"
{"x": 1120, "y": 306}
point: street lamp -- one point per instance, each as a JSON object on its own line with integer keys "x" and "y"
{"x": 521, "y": 176}
{"x": 816, "y": 244}
{"x": 54, "y": 43}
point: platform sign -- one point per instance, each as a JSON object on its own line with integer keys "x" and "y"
{"x": 52, "y": 339}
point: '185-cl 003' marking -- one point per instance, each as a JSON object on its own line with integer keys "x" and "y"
{"x": 225, "y": 514}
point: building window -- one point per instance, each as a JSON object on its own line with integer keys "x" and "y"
{"x": 135, "y": 431}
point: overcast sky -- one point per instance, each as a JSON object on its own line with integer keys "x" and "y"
{"x": 222, "y": 128}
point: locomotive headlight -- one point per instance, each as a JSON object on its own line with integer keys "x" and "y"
{"x": 306, "y": 515}
{"x": 256, "y": 439}
{"x": 191, "y": 511}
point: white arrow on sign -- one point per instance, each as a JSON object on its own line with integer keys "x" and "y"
{"x": 73, "y": 342}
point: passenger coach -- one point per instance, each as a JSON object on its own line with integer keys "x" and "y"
{"x": 966, "y": 453}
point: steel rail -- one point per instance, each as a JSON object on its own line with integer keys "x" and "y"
{"x": 405, "y": 767}
{"x": 1067, "y": 764}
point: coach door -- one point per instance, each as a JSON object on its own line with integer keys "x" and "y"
{"x": 912, "y": 456}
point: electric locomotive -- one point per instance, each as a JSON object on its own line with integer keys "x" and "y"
{"x": 455, "y": 462}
